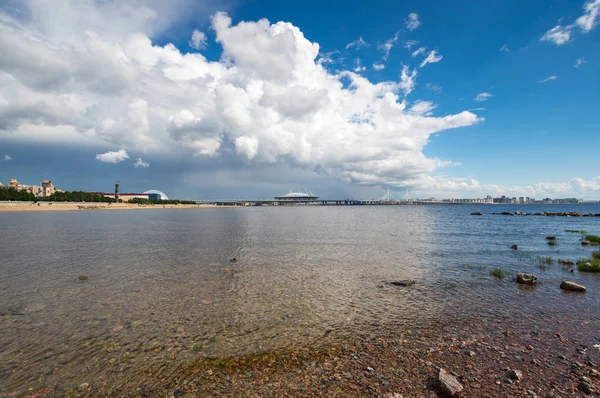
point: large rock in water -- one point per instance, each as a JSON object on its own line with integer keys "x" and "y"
{"x": 448, "y": 384}
{"x": 477, "y": 213}
{"x": 526, "y": 279}
{"x": 572, "y": 286}
{"x": 406, "y": 282}
{"x": 585, "y": 243}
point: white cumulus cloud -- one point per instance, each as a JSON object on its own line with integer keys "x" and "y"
{"x": 198, "y": 40}
{"x": 267, "y": 100}
{"x": 7, "y": 158}
{"x": 140, "y": 163}
{"x": 412, "y": 22}
{"x": 113, "y": 156}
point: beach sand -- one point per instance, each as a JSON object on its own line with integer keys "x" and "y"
{"x": 41, "y": 206}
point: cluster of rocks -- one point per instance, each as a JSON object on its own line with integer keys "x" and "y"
{"x": 530, "y": 279}
{"x": 546, "y": 213}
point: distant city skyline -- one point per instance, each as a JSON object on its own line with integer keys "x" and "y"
{"x": 245, "y": 99}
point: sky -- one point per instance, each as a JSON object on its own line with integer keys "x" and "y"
{"x": 251, "y": 99}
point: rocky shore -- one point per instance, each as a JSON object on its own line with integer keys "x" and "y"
{"x": 545, "y": 214}
{"x": 500, "y": 355}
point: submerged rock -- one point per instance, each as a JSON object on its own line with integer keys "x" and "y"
{"x": 448, "y": 384}
{"x": 572, "y": 286}
{"x": 477, "y": 213}
{"x": 406, "y": 282}
{"x": 585, "y": 243}
{"x": 515, "y": 247}
{"x": 526, "y": 279}
{"x": 551, "y": 237}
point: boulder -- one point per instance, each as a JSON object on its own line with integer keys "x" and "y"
{"x": 477, "y": 213}
{"x": 406, "y": 282}
{"x": 507, "y": 213}
{"x": 551, "y": 237}
{"x": 585, "y": 243}
{"x": 515, "y": 247}
{"x": 448, "y": 384}
{"x": 526, "y": 279}
{"x": 572, "y": 286}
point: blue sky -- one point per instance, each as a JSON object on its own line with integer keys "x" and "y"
{"x": 337, "y": 99}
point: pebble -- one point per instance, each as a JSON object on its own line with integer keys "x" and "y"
{"x": 448, "y": 384}
{"x": 532, "y": 394}
{"x": 83, "y": 386}
{"x": 370, "y": 369}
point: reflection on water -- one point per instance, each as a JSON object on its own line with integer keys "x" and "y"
{"x": 162, "y": 291}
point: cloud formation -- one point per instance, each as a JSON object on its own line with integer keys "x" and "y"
{"x": 388, "y": 45}
{"x": 579, "y": 62}
{"x": 412, "y": 22}
{"x": 7, "y": 158}
{"x": 378, "y": 67}
{"x": 113, "y": 156}
{"x": 481, "y": 97}
{"x": 357, "y": 44}
{"x": 560, "y": 35}
{"x": 549, "y": 78}
{"x": 267, "y": 100}
{"x": 418, "y": 51}
{"x": 432, "y": 58}
{"x": 198, "y": 40}
{"x": 140, "y": 163}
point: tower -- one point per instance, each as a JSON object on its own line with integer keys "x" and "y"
{"x": 117, "y": 191}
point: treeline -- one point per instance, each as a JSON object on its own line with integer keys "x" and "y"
{"x": 142, "y": 201}
{"x": 12, "y": 194}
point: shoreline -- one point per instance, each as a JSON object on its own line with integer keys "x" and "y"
{"x": 91, "y": 206}
{"x": 553, "y": 356}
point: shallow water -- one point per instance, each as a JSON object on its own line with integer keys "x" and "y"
{"x": 161, "y": 289}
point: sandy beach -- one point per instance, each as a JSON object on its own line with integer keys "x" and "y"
{"x": 41, "y": 206}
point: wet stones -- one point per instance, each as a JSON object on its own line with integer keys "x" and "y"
{"x": 585, "y": 242}
{"x": 526, "y": 279}
{"x": 550, "y": 237}
{"x": 584, "y": 387}
{"x": 515, "y": 247}
{"x": 515, "y": 374}
{"x": 572, "y": 286}
{"x": 477, "y": 213}
{"x": 448, "y": 384}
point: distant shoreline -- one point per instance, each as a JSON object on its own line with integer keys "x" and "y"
{"x": 90, "y": 206}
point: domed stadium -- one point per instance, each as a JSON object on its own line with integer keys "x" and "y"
{"x": 297, "y": 197}
{"x": 154, "y": 195}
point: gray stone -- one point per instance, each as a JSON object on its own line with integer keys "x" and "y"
{"x": 584, "y": 387}
{"x": 526, "y": 279}
{"x": 515, "y": 374}
{"x": 407, "y": 282}
{"x": 448, "y": 384}
{"x": 572, "y": 286}
{"x": 585, "y": 243}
